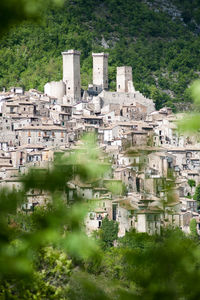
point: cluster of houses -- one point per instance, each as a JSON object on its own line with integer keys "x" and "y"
{"x": 152, "y": 161}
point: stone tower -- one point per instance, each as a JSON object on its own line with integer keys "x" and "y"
{"x": 71, "y": 75}
{"x": 124, "y": 80}
{"x": 100, "y": 71}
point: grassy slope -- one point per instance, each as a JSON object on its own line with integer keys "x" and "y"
{"x": 164, "y": 54}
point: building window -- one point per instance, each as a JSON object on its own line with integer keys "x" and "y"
{"x": 29, "y": 141}
{"x": 119, "y": 86}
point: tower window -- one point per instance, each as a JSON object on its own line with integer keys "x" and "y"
{"x": 119, "y": 86}
{"x": 68, "y": 88}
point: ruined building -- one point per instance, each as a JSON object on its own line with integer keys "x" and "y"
{"x": 71, "y": 75}
{"x": 68, "y": 90}
{"x": 124, "y": 80}
{"x": 100, "y": 71}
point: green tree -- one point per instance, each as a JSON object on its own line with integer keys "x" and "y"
{"x": 193, "y": 228}
{"x": 191, "y": 182}
{"x": 109, "y": 232}
{"x": 197, "y": 194}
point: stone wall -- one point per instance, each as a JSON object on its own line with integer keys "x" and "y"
{"x": 107, "y": 98}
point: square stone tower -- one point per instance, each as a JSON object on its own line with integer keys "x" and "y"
{"x": 124, "y": 77}
{"x": 100, "y": 71}
{"x": 71, "y": 75}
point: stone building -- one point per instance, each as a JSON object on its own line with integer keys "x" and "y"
{"x": 47, "y": 135}
{"x": 55, "y": 89}
{"x": 100, "y": 71}
{"x": 71, "y": 75}
{"x": 124, "y": 80}
{"x": 105, "y": 98}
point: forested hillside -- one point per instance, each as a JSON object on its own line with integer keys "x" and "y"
{"x": 159, "y": 39}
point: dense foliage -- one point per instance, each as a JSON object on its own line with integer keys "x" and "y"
{"x": 108, "y": 232}
{"x": 197, "y": 194}
{"x": 164, "y": 52}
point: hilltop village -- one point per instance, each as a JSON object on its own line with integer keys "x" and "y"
{"x": 146, "y": 152}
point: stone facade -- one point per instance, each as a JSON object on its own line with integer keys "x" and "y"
{"x": 71, "y": 75}
{"x": 100, "y": 71}
{"x": 55, "y": 89}
{"x": 124, "y": 79}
